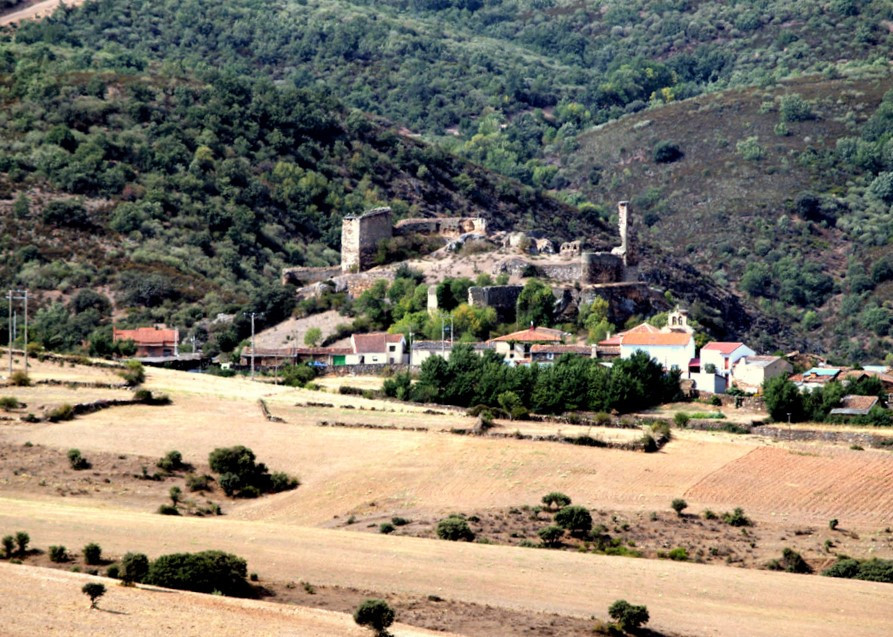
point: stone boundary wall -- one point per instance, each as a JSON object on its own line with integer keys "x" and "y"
{"x": 781, "y": 432}
{"x": 306, "y": 276}
{"x": 446, "y": 226}
{"x": 377, "y": 369}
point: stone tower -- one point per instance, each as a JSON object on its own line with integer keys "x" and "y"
{"x": 627, "y": 249}
{"x": 360, "y": 236}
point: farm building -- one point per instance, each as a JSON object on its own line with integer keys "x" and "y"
{"x": 156, "y": 341}
{"x": 750, "y": 372}
{"x": 723, "y": 356}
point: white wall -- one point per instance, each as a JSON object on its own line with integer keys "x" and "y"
{"x": 669, "y": 356}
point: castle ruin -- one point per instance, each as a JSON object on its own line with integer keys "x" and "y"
{"x": 618, "y": 265}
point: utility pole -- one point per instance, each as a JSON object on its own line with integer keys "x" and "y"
{"x": 17, "y": 295}
{"x": 26, "y": 330}
{"x": 252, "y": 346}
{"x": 9, "y": 329}
{"x": 451, "y": 333}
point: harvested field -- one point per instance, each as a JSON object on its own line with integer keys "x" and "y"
{"x": 688, "y": 599}
{"x": 60, "y": 606}
{"x": 814, "y": 482}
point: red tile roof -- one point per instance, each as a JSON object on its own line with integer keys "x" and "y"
{"x": 531, "y": 335}
{"x": 646, "y": 328}
{"x": 148, "y": 336}
{"x": 721, "y": 347}
{"x": 374, "y": 343}
{"x": 660, "y": 338}
{"x": 858, "y": 402}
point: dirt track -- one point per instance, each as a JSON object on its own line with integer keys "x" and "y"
{"x": 684, "y": 598}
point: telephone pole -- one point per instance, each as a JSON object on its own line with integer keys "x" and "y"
{"x": 17, "y": 295}
{"x": 252, "y": 346}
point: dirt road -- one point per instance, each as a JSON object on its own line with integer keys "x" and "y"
{"x": 690, "y": 599}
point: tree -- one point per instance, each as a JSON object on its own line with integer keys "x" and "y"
{"x": 551, "y": 535}
{"x": 312, "y": 337}
{"x": 93, "y": 590}
{"x": 8, "y": 546}
{"x": 134, "y": 568}
{"x": 536, "y": 304}
{"x": 376, "y": 614}
{"x": 202, "y": 572}
{"x": 575, "y": 519}
{"x": 628, "y": 616}
{"x": 556, "y": 498}
{"x": 455, "y": 529}
{"x": 783, "y": 399}
{"x": 175, "y": 494}
{"x": 133, "y": 373}
{"x": 666, "y": 152}
{"x": 92, "y": 554}
{"x": 679, "y": 505}
{"x": 22, "y": 540}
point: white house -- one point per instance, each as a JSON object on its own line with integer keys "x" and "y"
{"x": 723, "y": 356}
{"x": 377, "y": 348}
{"x": 673, "y": 350}
{"x": 750, "y": 372}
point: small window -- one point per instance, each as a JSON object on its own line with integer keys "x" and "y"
{"x": 392, "y": 348}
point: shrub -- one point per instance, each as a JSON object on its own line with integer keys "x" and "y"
{"x": 92, "y": 554}
{"x": 455, "y": 529}
{"x": 203, "y": 572}
{"x": 167, "y": 509}
{"x": 134, "y": 568}
{"x": 679, "y": 505}
{"x": 230, "y": 483}
{"x": 280, "y": 481}
{"x": 791, "y": 562}
{"x": 93, "y": 590}
{"x": 709, "y": 515}
{"x": 242, "y": 476}
{"x": 22, "y": 540}
{"x": 628, "y": 616}
{"x": 666, "y": 152}
{"x": 172, "y": 461}
{"x": 9, "y": 402}
{"x": 736, "y": 518}
{"x": 793, "y": 108}
{"x": 680, "y": 419}
{"x": 60, "y": 413}
{"x": 557, "y": 499}
{"x": 678, "y": 554}
{"x": 832, "y": 524}
{"x": 376, "y": 614}
{"x": 386, "y": 528}
{"x": 750, "y": 148}
{"x": 133, "y": 373}
{"x": 58, "y": 554}
{"x": 19, "y": 379}
{"x": 575, "y": 519}
{"x": 551, "y": 535}
{"x": 398, "y": 521}
{"x": 175, "y": 494}
{"x": 198, "y": 483}
{"x": 113, "y": 571}
{"x": 8, "y": 546}
{"x": 77, "y": 461}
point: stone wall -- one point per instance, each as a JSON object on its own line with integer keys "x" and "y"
{"x": 502, "y": 298}
{"x": 360, "y": 237}
{"x": 781, "y": 432}
{"x": 600, "y": 267}
{"x": 626, "y": 300}
{"x": 304, "y": 276}
{"x": 446, "y": 226}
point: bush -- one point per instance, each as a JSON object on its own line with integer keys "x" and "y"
{"x": 628, "y": 616}
{"x": 22, "y": 540}
{"x": 9, "y": 402}
{"x": 793, "y": 108}
{"x": 376, "y": 614}
{"x": 134, "y": 568}
{"x": 113, "y": 571}
{"x": 678, "y": 554}
{"x": 551, "y": 535}
{"x": 398, "y": 521}
{"x": 8, "y": 546}
{"x": 680, "y": 419}
{"x": 198, "y": 483}
{"x": 832, "y": 524}
{"x": 679, "y": 505}
{"x": 709, "y": 515}
{"x": 280, "y": 481}
{"x": 93, "y": 590}
{"x": 243, "y": 477}
{"x": 58, "y": 554}
{"x": 133, "y": 373}
{"x": 60, "y": 413}
{"x": 172, "y": 461}
{"x": 19, "y": 379}
{"x": 557, "y": 499}
{"x": 666, "y": 152}
{"x": 92, "y": 554}
{"x": 575, "y": 519}
{"x": 386, "y": 528}
{"x": 203, "y": 572}
{"x": 455, "y": 529}
{"x": 77, "y": 461}
{"x": 791, "y": 562}
{"x": 168, "y": 509}
{"x": 736, "y": 518}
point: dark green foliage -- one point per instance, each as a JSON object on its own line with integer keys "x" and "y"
{"x": 297, "y": 375}
{"x": 376, "y": 614}
{"x": 556, "y": 499}
{"x": 93, "y": 590}
{"x": 736, "y": 518}
{"x": 198, "y": 483}
{"x": 873, "y": 570}
{"x": 551, "y": 535}
{"x": 628, "y": 616}
{"x": 60, "y": 413}
{"x": 666, "y": 152}
{"x": 832, "y": 524}
{"x": 386, "y": 528}
{"x": 58, "y": 554}
{"x": 575, "y": 519}
{"x": 113, "y": 571}
{"x": 77, "y": 461}
{"x": 679, "y": 505}
{"x": 172, "y": 461}
{"x": 398, "y": 521}
{"x": 203, "y": 572}
{"x": 167, "y": 509}
{"x": 22, "y": 540}
{"x": 678, "y": 554}
{"x": 791, "y": 562}
{"x": 8, "y": 403}
{"x": 455, "y": 529}
{"x": 536, "y": 304}
{"x": 133, "y": 373}
{"x": 8, "y": 546}
{"x": 92, "y": 554}
{"x": 783, "y": 399}
{"x": 66, "y": 212}
{"x": 241, "y": 476}
{"x": 134, "y": 568}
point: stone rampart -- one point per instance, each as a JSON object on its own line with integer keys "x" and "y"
{"x": 446, "y": 226}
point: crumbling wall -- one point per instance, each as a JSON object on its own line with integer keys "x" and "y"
{"x": 360, "y": 237}
{"x": 502, "y": 298}
{"x": 446, "y": 226}
{"x": 305, "y": 276}
{"x": 600, "y": 267}
{"x": 626, "y": 300}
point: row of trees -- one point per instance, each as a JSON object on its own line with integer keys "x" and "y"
{"x": 573, "y": 383}
{"x": 784, "y": 400}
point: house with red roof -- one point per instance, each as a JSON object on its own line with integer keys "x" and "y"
{"x": 673, "y": 350}
{"x": 377, "y": 348}
{"x": 610, "y": 347}
{"x": 156, "y": 341}
{"x": 723, "y": 356}
{"x": 516, "y": 346}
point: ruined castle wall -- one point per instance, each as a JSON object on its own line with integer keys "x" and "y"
{"x": 305, "y": 276}
{"x": 502, "y": 298}
{"x": 601, "y": 267}
{"x": 626, "y": 300}
{"x": 446, "y": 226}
{"x": 360, "y": 237}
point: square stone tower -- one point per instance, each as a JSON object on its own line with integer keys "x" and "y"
{"x": 360, "y": 236}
